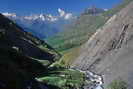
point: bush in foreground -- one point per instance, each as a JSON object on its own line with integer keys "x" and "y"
{"x": 118, "y": 84}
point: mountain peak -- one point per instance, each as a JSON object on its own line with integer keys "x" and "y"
{"x": 94, "y": 10}
{"x": 9, "y": 14}
{"x": 43, "y": 17}
{"x": 42, "y": 25}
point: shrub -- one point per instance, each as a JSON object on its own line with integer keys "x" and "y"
{"x": 118, "y": 84}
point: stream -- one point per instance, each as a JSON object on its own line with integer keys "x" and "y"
{"x": 93, "y": 81}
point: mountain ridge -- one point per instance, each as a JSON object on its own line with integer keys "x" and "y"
{"x": 20, "y": 56}
{"x": 42, "y": 25}
{"x": 47, "y": 25}
{"x": 109, "y": 51}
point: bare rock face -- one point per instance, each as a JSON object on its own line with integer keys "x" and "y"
{"x": 109, "y": 51}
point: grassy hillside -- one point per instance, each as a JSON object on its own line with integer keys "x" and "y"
{"x": 81, "y": 30}
{"x": 20, "y": 55}
{"x": 77, "y": 33}
{"x": 64, "y": 78}
{"x": 24, "y": 58}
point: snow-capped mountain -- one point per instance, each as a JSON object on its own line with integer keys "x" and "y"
{"x": 42, "y": 25}
{"x": 42, "y": 17}
{"x": 10, "y": 14}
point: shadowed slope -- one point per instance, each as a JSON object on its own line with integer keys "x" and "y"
{"x": 20, "y": 55}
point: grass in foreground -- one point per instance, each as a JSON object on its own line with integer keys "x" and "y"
{"x": 64, "y": 78}
{"x": 69, "y": 56}
{"x": 118, "y": 84}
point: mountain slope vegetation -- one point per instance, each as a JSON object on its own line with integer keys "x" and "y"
{"x": 25, "y": 62}
{"x": 19, "y": 55}
{"x": 81, "y": 30}
{"x": 109, "y": 51}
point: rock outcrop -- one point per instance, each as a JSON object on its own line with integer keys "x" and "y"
{"x": 109, "y": 51}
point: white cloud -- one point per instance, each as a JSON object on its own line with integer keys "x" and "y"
{"x": 65, "y": 15}
{"x": 61, "y": 12}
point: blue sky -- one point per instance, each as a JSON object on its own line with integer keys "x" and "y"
{"x": 50, "y": 6}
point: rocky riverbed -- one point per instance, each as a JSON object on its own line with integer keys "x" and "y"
{"x": 92, "y": 80}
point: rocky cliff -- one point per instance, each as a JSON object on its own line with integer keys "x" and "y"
{"x": 109, "y": 51}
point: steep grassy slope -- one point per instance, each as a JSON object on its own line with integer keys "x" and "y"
{"x": 77, "y": 33}
{"x": 20, "y": 55}
{"x": 24, "y": 58}
{"x": 109, "y": 51}
{"x": 81, "y": 30}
